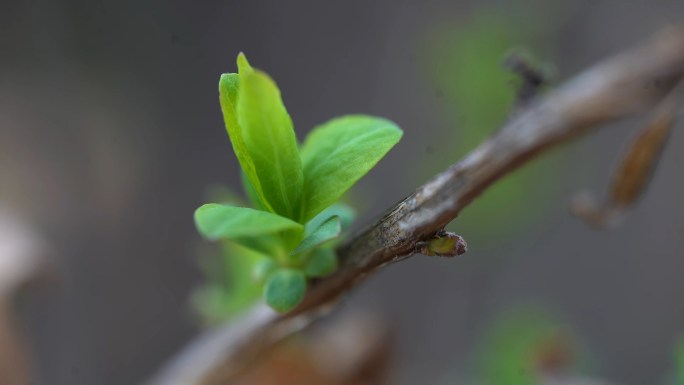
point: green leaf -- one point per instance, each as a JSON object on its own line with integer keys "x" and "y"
{"x": 252, "y": 194}
{"x": 262, "y": 269}
{"x": 345, "y": 212}
{"x": 285, "y": 289}
{"x": 271, "y": 143}
{"x": 323, "y": 262}
{"x": 328, "y": 230}
{"x": 243, "y": 64}
{"x": 241, "y": 224}
{"x": 228, "y": 96}
{"x": 338, "y": 153}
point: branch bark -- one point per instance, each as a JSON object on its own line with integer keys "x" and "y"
{"x": 614, "y": 89}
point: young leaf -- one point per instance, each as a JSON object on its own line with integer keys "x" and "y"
{"x": 285, "y": 289}
{"x": 252, "y": 193}
{"x": 262, "y": 269}
{"x": 228, "y": 96}
{"x": 321, "y": 263}
{"x": 328, "y": 230}
{"x": 243, "y": 65}
{"x": 346, "y": 214}
{"x": 270, "y": 141}
{"x": 217, "y": 221}
{"x": 338, "y": 153}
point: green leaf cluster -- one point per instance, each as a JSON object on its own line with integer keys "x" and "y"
{"x": 294, "y": 220}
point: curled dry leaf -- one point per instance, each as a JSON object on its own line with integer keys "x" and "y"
{"x": 636, "y": 168}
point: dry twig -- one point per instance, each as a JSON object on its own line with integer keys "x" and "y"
{"x": 616, "y": 88}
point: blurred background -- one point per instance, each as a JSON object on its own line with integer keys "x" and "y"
{"x": 111, "y": 135}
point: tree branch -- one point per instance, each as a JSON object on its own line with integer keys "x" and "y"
{"x": 616, "y": 88}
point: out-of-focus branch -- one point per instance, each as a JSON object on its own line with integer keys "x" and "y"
{"x": 614, "y": 89}
{"x": 22, "y": 263}
{"x": 15, "y": 368}
{"x": 354, "y": 349}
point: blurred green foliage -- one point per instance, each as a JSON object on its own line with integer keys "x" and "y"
{"x": 679, "y": 360}
{"x": 521, "y": 342}
{"x": 230, "y": 286}
{"x": 675, "y": 375}
{"x": 465, "y": 62}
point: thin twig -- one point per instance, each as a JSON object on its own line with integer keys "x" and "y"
{"x": 614, "y": 89}
{"x": 532, "y": 77}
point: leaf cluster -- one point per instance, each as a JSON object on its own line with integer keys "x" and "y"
{"x": 294, "y": 220}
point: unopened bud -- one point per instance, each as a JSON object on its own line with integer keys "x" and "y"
{"x": 444, "y": 244}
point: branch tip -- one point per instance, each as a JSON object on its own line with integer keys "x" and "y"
{"x": 532, "y": 75}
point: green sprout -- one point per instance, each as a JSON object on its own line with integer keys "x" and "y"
{"x": 295, "y": 220}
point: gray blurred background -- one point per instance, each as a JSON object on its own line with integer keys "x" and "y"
{"x": 111, "y": 135}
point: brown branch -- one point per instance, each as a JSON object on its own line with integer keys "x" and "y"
{"x": 614, "y": 89}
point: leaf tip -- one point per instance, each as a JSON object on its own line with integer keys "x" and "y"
{"x": 243, "y": 64}
{"x": 200, "y": 217}
{"x": 394, "y": 128}
{"x": 226, "y": 79}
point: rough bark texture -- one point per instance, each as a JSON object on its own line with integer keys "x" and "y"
{"x": 616, "y": 88}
